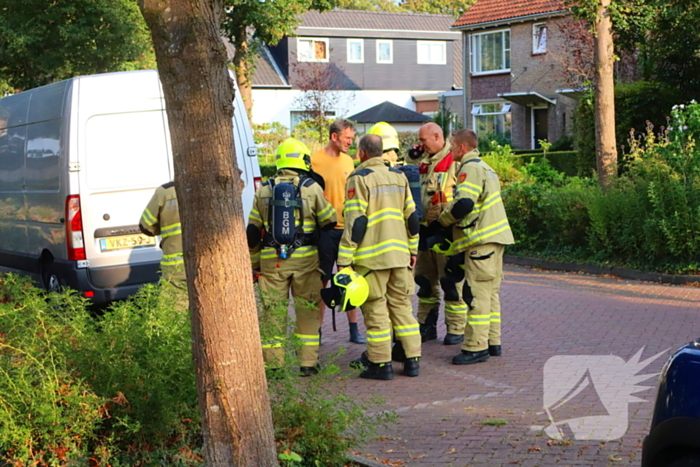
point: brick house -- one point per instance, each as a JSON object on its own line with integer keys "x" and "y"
{"x": 515, "y": 83}
{"x": 403, "y": 58}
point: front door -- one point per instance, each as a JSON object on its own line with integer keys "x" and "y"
{"x": 540, "y": 126}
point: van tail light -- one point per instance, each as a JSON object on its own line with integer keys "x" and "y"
{"x": 74, "y": 229}
{"x": 257, "y": 183}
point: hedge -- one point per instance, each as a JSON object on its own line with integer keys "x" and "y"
{"x": 637, "y": 105}
{"x": 562, "y": 161}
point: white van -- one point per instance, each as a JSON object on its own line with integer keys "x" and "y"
{"x": 79, "y": 161}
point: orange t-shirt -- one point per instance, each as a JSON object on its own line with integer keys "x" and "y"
{"x": 335, "y": 172}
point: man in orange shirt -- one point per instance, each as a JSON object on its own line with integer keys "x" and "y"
{"x": 334, "y": 165}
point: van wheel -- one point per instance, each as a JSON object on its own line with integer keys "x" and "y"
{"x": 51, "y": 281}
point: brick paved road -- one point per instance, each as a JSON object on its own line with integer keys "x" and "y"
{"x": 545, "y": 314}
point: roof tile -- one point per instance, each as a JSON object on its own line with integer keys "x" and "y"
{"x": 485, "y": 11}
{"x": 390, "y": 113}
{"x": 380, "y": 20}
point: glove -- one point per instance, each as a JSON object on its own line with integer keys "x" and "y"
{"x": 415, "y": 153}
{"x": 454, "y": 269}
{"x": 441, "y": 236}
{"x": 433, "y": 229}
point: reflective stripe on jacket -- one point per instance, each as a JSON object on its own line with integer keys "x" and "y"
{"x": 161, "y": 217}
{"x": 318, "y": 212}
{"x": 487, "y": 222}
{"x": 381, "y": 194}
{"x": 437, "y": 178}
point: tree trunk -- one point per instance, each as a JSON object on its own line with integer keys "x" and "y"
{"x": 240, "y": 64}
{"x": 606, "y": 146}
{"x": 233, "y": 396}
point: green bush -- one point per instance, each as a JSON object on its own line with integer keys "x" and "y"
{"x": 649, "y": 217}
{"x": 486, "y": 140}
{"x": 563, "y": 161}
{"x": 120, "y": 389}
{"x": 502, "y": 160}
{"x": 637, "y": 105}
{"x": 407, "y": 139}
{"x": 49, "y": 414}
{"x": 268, "y": 136}
{"x": 267, "y": 171}
{"x": 565, "y": 143}
{"x": 584, "y": 137}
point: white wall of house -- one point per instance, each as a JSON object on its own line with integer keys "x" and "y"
{"x": 274, "y": 105}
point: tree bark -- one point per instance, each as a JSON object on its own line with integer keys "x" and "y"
{"x": 233, "y": 396}
{"x": 240, "y": 64}
{"x": 606, "y": 145}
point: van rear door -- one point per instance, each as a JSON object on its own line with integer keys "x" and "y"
{"x": 123, "y": 155}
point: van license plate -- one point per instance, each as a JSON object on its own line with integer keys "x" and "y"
{"x": 126, "y": 241}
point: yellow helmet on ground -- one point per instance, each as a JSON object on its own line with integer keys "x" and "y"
{"x": 293, "y": 154}
{"x": 388, "y": 134}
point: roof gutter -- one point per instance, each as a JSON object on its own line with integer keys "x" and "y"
{"x": 503, "y": 22}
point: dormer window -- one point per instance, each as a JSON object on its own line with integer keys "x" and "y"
{"x": 385, "y": 51}
{"x": 312, "y": 49}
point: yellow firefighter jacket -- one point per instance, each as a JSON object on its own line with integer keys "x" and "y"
{"x": 437, "y": 179}
{"x": 161, "y": 217}
{"x": 318, "y": 212}
{"x": 487, "y": 222}
{"x": 378, "y": 205}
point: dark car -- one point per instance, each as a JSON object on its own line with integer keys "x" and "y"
{"x": 674, "y": 437}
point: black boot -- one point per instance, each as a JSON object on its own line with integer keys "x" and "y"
{"x": 428, "y": 330}
{"x": 452, "y": 339}
{"x": 467, "y": 357}
{"x": 360, "y": 363}
{"x": 308, "y": 370}
{"x": 398, "y": 354}
{"x": 382, "y": 371}
{"x": 495, "y": 350}
{"x": 411, "y": 367}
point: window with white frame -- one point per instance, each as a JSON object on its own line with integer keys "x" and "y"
{"x": 312, "y": 50}
{"x": 492, "y": 118}
{"x": 539, "y": 38}
{"x": 385, "y": 51}
{"x": 490, "y": 52}
{"x": 432, "y": 52}
{"x": 298, "y": 116}
{"x": 356, "y": 51}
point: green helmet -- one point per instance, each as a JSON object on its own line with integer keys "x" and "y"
{"x": 388, "y": 134}
{"x": 293, "y": 154}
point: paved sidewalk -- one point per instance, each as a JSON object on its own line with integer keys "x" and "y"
{"x": 449, "y": 413}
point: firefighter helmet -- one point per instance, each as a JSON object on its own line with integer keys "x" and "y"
{"x": 293, "y": 154}
{"x": 388, "y": 134}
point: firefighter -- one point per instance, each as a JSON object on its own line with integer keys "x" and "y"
{"x": 288, "y": 213}
{"x": 161, "y": 217}
{"x": 478, "y": 210}
{"x": 390, "y": 142}
{"x": 379, "y": 242}
{"x": 437, "y": 172}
